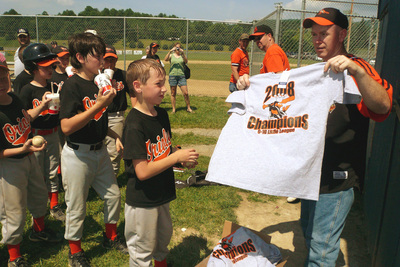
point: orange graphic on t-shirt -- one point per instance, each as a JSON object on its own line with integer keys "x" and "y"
{"x": 88, "y": 103}
{"x": 18, "y": 134}
{"x": 159, "y": 150}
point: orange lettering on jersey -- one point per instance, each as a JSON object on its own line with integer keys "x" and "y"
{"x": 88, "y": 103}
{"x": 119, "y": 86}
{"x": 159, "y": 150}
{"x": 35, "y": 103}
{"x": 18, "y": 134}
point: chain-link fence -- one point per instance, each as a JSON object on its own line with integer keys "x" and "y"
{"x": 208, "y": 44}
{"x": 296, "y": 41}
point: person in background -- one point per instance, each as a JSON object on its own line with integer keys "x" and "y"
{"x": 116, "y": 109}
{"x": 178, "y": 59}
{"x": 24, "y": 77}
{"x": 153, "y": 53}
{"x": 239, "y": 61}
{"x": 24, "y": 39}
{"x": 275, "y": 60}
{"x": 147, "y": 52}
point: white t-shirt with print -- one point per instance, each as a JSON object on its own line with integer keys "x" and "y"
{"x": 273, "y": 142}
{"x": 243, "y": 248}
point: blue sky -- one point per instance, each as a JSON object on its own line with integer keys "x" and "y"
{"x": 244, "y": 10}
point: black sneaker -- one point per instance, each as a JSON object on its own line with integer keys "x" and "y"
{"x": 20, "y": 262}
{"x": 46, "y": 235}
{"x": 78, "y": 260}
{"x": 118, "y": 243}
{"x": 57, "y": 213}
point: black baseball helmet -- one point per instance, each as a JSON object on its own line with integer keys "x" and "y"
{"x": 34, "y": 53}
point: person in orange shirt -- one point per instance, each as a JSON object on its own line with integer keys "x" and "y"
{"x": 239, "y": 61}
{"x": 275, "y": 60}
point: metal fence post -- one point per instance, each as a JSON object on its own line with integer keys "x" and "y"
{"x": 187, "y": 38}
{"x": 124, "y": 43}
{"x": 37, "y": 29}
{"x": 303, "y": 9}
{"x": 278, "y": 7}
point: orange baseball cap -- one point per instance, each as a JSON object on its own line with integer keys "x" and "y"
{"x": 326, "y": 17}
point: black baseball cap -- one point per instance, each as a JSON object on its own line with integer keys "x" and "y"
{"x": 154, "y": 45}
{"x": 260, "y": 31}
{"x": 326, "y": 17}
{"x": 22, "y": 31}
{"x": 110, "y": 52}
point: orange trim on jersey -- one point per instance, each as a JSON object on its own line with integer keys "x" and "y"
{"x": 387, "y": 86}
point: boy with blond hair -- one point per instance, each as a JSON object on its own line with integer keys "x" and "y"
{"x": 149, "y": 159}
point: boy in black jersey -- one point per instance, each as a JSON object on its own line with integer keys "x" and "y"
{"x": 149, "y": 158}
{"x": 24, "y": 77}
{"x": 21, "y": 181}
{"x": 39, "y": 61}
{"x": 84, "y": 159}
{"x": 116, "y": 109}
{"x": 59, "y": 74}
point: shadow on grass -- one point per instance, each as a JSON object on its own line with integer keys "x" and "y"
{"x": 192, "y": 250}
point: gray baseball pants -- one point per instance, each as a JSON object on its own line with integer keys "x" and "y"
{"x": 82, "y": 169}
{"x": 148, "y": 232}
{"x": 21, "y": 186}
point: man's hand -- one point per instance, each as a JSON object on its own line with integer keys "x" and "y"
{"x": 243, "y": 82}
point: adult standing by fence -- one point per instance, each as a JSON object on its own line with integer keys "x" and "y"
{"x": 24, "y": 39}
{"x": 275, "y": 60}
{"x": 239, "y": 61}
{"x": 178, "y": 59}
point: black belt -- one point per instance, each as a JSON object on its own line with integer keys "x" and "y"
{"x": 97, "y": 146}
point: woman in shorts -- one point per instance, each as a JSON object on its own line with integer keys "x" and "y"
{"x": 177, "y": 58}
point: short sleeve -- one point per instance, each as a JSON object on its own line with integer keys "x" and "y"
{"x": 238, "y": 101}
{"x": 134, "y": 143}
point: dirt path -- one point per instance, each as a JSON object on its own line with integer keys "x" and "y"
{"x": 280, "y": 220}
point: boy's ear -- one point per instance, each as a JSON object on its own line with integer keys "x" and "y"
{"x": 137, "y": 86}
{"x": 80, "y": 58}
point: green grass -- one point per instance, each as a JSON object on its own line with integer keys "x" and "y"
{"x": 201, "y": 210}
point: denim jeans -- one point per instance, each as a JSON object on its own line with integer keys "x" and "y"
{"x": 232, "y": 87}
{"x": 322, "y": 222}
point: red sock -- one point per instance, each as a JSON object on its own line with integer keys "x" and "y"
{"x": 13, "y": 250}
{"x": 38, "y": 224}
{"x": 160, "y": 263}
{"x": 53, "y": 196}
{"x": 75, "y": 246}
{"x": 59, "y": 169}
{"x": 111, "y": 230}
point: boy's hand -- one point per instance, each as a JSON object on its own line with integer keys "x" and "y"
{"x": 119, "y": 146}
{"x": 105, "y": 100}
{"x": 28, "y": 147}
{"x": 45, "y": 101}
{"x": 243, "y": 82}
{"x": 187, "y": 156}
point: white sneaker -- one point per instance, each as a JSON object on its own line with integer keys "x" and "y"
{"x": 291, "y": 199}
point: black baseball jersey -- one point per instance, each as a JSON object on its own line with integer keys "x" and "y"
{"x": 31, "y": 95}
{"x": 147, "y": 137}
{"x": 15, "y": 125}
{"x": 20, "y": 81}
{"x": 119, "y": 102}
{"x": 155, "y": 57}
{"x": 78, "y": 95}
{"x": 58, "y": 80}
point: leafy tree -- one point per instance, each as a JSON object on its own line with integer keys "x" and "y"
{"x": 140, "y": 44}
{"x": 12, "y": 11}
{"x": 90, "y": 11}
{"x": 165, "y": 47}
{"x": 67, "y": 13}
